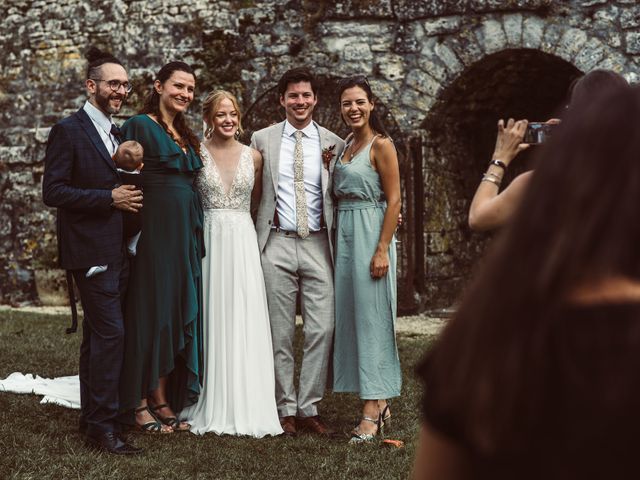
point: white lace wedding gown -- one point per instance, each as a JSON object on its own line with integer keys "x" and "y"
{"x": 238, "y": 391}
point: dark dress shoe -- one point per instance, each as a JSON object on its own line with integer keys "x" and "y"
{"x": 289, "y": 426}
{"x": 110, "y": 442}
{"x": 314, "y": 425}
{"x": 122, "y": 435}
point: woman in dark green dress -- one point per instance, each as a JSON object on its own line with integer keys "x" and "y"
{"x": 161, "y": 363}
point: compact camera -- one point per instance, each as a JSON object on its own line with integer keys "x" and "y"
{"x": 538, "y": 132}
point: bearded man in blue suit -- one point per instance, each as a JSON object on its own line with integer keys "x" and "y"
{"x": 81, "y": 181}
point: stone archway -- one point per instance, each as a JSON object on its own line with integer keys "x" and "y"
{"x": 463, "y": 80}
{"x": 460, "y": 135}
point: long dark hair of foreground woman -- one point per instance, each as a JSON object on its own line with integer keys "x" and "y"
{"x": 578, "y": 226}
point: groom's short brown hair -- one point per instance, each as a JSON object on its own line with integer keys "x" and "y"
{"x": 296, "y": 75}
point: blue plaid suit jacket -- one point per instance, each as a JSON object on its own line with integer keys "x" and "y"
{"x": 79, "y": 175}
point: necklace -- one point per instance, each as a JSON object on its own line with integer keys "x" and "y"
{"x": 354, "y": 149}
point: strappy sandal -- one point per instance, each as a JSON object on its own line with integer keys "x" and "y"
{"x": 154, "y": 427}
{"x": 359, "y": 437}
{"x": 385, "y": 415}
{"x": 172, "y": 422}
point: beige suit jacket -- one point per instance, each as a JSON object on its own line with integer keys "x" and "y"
{"x": 268, "y": 141}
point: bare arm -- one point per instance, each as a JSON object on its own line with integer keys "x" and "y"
{"x": 488, "y": 208}
{"x": 256, "y": 193}
{"x": 386, "y": 163}
{"x": 438, "y": 458}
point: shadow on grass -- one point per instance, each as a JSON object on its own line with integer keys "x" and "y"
{"x": 41, "y": 441}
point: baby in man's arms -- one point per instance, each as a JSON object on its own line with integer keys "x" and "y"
{"x": 128, "y": 160}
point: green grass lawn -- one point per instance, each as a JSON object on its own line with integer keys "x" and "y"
{"x": 41, "y": 441}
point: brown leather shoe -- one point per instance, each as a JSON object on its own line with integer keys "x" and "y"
{"x": 289, "y": 425}
{"x": 314, "y": 425}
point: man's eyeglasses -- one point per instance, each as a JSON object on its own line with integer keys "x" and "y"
{"x": 115, "y": 84}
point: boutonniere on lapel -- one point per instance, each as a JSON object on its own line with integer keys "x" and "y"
{"x": 327, "y": 155}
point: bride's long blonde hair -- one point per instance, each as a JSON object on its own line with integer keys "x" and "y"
{"x": 210, "y": 106}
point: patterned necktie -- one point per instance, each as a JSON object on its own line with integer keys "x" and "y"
{"x": 302, "y": 221}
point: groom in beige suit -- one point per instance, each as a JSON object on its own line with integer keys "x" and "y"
{"x": 294, "y": 223}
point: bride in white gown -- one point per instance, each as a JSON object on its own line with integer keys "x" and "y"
{"x": 238, "y": 391}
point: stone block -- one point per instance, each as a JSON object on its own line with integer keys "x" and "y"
{"x": 590, "y": 54}
{"x": 630, "y": 17}
{"x": 632, "y": 76}
{"x": 417, "y": 100}
{"x": 466, "y": 47}
{"x": 361, "y": 28}
{"x": 441, "y": 25}
{"x": 431, "y": 64}
{"x": 606, "y": 17}
{"x": 390, "y": 66}
{"x": 551, "y": 38}
{"x": 532, "y": 32}
{"x": 613, "y": 61}
{"x": 448, "y": 58}
{"x": 360, "y": 52}
{"x": 512, "y": 25}
{"x": 424, "y": 83}
{"x": 437, "y": 243}
{"x": 408, "y": 38}
{"x": 632, "y": 40}
{"x": 571, "y": 43}
{"x": 335, "y": 44}
{"x": 491, "y": 36}
{"x": 591, "y": 3}
{"x": 14, "y": 155}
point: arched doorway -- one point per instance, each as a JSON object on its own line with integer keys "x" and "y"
{"x": 458, "y": 138}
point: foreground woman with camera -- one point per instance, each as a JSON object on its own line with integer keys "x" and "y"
{"x": 536, "y": 376}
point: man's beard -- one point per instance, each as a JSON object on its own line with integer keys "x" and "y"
{"x": 103, "y": 102}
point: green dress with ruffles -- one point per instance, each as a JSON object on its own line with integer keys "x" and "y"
{"x": 162, "y": 308}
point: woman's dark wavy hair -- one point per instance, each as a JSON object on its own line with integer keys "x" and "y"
{"x": 577, "y": 224}
{"x": 361, "y": 81}
{"x": 152, "y": 106}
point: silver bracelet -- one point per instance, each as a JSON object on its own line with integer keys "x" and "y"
{"x": 497, "y": 177}
{"x": 486, "y": 178}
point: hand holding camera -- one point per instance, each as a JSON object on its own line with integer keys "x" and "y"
{"x": 510, "y": 140}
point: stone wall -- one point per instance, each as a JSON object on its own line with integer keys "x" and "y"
{"x": 446, "y": 70}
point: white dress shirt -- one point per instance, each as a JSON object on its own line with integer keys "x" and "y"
{"x": 103, "y": 126}
{"x": 286, "y": 203}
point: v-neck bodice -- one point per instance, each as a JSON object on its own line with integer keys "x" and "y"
{"x": 212, "y": 190}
